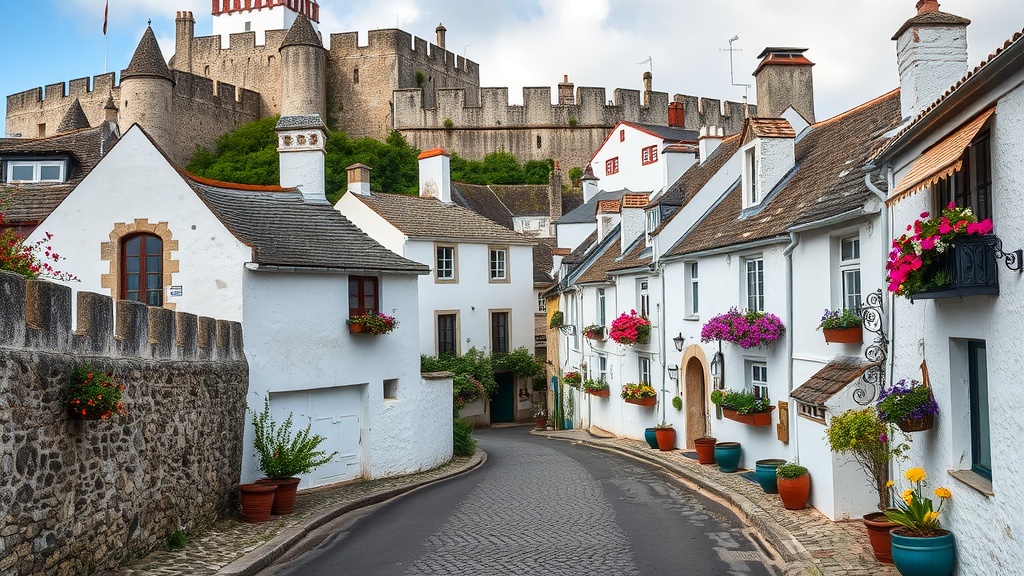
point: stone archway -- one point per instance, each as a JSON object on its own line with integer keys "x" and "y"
{"x": 695, "y": 389}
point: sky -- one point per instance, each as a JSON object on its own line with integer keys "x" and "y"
{"x": 600, "y": 43}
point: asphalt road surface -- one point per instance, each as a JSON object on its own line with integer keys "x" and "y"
{"x": 537, "y": 507}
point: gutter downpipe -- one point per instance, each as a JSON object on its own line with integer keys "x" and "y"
{"x": 660, "y": 267}
{"x": 886, "y": 242}
{"x": 794, "y": 240}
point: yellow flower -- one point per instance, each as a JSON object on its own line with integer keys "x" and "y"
{"x": 908, "y": 496}
{"x": 889, "y": 484}
{"x": 915, "y": 474}
{"x": 930, "y": 517}
{"x": 943, "y": 493}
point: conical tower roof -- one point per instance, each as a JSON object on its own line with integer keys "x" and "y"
{"x": 74, "y": 119}
{"x": 301, "y": 34}
{"x": 148, "y": 60}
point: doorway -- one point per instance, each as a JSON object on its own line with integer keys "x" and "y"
{"x": 503, "y": 403}
{"x": 696, "y": 408}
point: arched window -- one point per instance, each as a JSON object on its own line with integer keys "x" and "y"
{"x": 142, "y": 257}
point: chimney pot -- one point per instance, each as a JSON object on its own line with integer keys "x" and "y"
{"x": 924, "y": 6}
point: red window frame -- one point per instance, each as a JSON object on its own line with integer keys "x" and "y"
{"x": 649, "y": 155}
{"x": 142, "y": 269}
{"x": 363, "y": 295}
{"x": 611, "y": 166}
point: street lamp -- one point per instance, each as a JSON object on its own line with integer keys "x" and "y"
{"x": 678, "y": 341}
{"x": 673, "y": 372}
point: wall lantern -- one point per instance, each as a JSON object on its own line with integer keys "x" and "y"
{"x": 673, "y": 372}
{"x": 678, "y": 341}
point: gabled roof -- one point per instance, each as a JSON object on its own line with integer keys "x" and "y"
{"x": 74, "y": 119}
{"x": 502, "y": 203}
{"x": 428, "y": 218}
{"x": 601, "y": 262}
{"x": 827, "y": 181}
{"x": 148, "y": 60}
{"x": 301, "y": 33}
{"x": 696, "y": 177}
{"x": 668, "y": 133}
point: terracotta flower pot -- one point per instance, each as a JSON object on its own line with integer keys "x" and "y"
{"x": 284, "y": 496}
{"x": 257, "y": 501}
{"x": 356, "y": 328}
{"x": 753, "y": 419}
{"x": 540, "y": 422}
{"x": 705, "y": 449}
{"x": 878, "y": 527}
{"x": 844, "y": 335}
{"x": 794, "y": 491}
{"x": 666, "y": 438}
{"x": 646, "y": 402}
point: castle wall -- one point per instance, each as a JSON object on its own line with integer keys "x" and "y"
{"x": 27, "y": 109}
{"x": 204, "y": 109}
{"x": 81, "y": 496}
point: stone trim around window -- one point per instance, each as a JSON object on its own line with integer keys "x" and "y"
{"x": 111, "y": 252}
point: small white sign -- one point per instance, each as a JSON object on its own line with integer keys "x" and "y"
{"x": 174, "y": 292}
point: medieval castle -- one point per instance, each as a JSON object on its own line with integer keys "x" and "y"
{"x": 213, "y": 84}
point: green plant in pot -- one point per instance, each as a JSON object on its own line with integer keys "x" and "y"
{"x": 285, "y": 454}
{"x": 744, "y": 407}
{"x": 872, "y": 444}
{"x": 794, "y": 485}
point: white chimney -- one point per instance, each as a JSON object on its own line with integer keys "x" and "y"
{"x": 359, "y": 179}
{"x": 436, "y": 175}
{"x": 709, "y": 140}
{"x": 607, "y": 217}
{"x": 589, "y": 184}
{"x": 300, "y": 145}
{"x": 677, "y": 159}
{"x": 634, "y": 218}
{"x": 931, "y": 49}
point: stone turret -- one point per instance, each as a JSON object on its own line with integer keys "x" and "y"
{"x": 146, "y": 90}
{"x": 440, "y": 30}
{"x": 303, "y": 90}
{"x": 931, "y": 49}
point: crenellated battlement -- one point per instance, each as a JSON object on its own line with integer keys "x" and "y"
{"x": 200, "y": 89}
{"x": 36, "y": 314}
{"x": 62, "y": 93}
{"x": 401, "y": 45}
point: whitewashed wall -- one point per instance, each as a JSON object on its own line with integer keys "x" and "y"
{"x": 632, "y": 174}
{"x": 276, "y": 18}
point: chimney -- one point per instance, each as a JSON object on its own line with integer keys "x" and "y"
{"x": 784, "y": 80}
{"x": 931, "y": 50}
{"x": 110, "y": 110}
{"x": 633, "y": 219}
{"x": 709, "y": 140}
{"x": 300, "y": 145}
{"x": 607, "y": 217}
{"x": 436, "y": 175}
{"x": 676, "y": 117}
{"x": 647, "y": 88}
{"x": 565, "y": 92}
{"x": 555, "y": 194}
{"x": 440, "y": 35}
{"x": 359, "y": 179}
{"x": 677, "y": 159}
{"x": 589, "y": 184}
{"x": 185, "y": 31}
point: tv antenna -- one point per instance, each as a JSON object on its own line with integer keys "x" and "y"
{"x": 732, "y": 77}
{"x": 649, "y": 62}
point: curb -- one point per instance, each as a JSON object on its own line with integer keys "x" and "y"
{"x": 262, "y": 557}
{"x": 788, "y": 548}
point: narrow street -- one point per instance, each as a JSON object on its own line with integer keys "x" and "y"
{"x": 538, "y": 507}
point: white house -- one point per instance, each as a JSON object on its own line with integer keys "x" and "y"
{"x": 961, "y": 145}
{"x": 480, "y": 293}
{"x": 643, "y": 157}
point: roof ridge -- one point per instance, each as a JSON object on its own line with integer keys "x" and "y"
{"x": 235, "y": 185}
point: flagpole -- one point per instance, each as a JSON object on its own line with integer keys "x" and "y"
{"x": 106, "y": 39}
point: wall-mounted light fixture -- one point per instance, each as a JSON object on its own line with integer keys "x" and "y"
{"x": 678, "y": 341}
{"x": 673, "y": 372}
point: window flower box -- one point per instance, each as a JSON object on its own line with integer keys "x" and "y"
{"x": 597, "y": 388}
{"x": 645, "y": 402}
{"x": 752, "y": 419}
{"x": 844, "y": 335}
{"x": 371, "y": 323}
{"x": 969, "y": 269}
{"x": 641, "y": 394}
{"x": 594, "y": 332}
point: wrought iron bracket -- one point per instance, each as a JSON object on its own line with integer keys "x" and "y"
{"x": 568, "y": 329}
{"x": 1011, "y": 259}
{"x": 873, "y": 320}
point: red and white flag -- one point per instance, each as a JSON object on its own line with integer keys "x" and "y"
{"x": 106, "y": 8}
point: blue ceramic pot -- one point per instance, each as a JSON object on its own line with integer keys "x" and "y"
{"x": 568, "y": 424}
{"x": 651, "y": 439}
{"x": 765, "y": 471}
{"x": 928, "y": 556}
{"x": 727, "y": 454}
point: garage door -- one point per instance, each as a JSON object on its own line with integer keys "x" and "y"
{"x": 334, "y": 414}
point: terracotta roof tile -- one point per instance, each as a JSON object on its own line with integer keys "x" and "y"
{"x": 608, "y": 207}
{"x": 771, "y": 127}
{"x": 635, "y": 200}
{"x": 830, "y": 380}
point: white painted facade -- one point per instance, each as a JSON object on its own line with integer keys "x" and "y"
{"x": 257, "y": 20}
{"x": 625, "y": 146}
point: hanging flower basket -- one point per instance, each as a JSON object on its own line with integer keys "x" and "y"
{"x": 748, "y": 329}
{"x": 630, "y": 328}
{"x": 594, "y": 332}
{"x": 909, "y": 404}
{"x": 917, "y": 424}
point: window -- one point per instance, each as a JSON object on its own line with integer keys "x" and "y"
{"x": 692, "y": 292}
{"x": 499, "y": 332}
{"x": 758, "y": 375}
{"x": 849, "y": 270}
{"x": 355, "y": 75}
{"x": 611, "y": 166}
{"x": 499, "y": 265}
{"x": 35, "y": 170}
{"x": 750, "y": 177}
{"x": 622, "y": 135}
{"x": 602, "y": 368}
{"x": 649, "y": 155}
{"x": 643, "y": 369}
{"x": 391, "y": 389}
{"x": 972, "y": 186}
{"x": 248, "y": 26}
{"x": 447, "y": 334}
{"x": 363, "y": 295}
{"x": 142, "y": 258}
{"x": 445, "y": 271}
{"x": 602, "y": 317}
{"x": 542, "y": 302}
{"x": 644, "y": 304}
{"x": 755, "y": 284}
{"x": 41, "y": 130}
{"x": 653, "y": 220}
{"x": 538, "y": 142}
{"x": 811, "y": 411}
{"x": 981, "y": 448}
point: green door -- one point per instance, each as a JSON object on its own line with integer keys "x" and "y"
{"x": 503, "y": 404}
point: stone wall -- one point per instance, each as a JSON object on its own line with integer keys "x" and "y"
{"x": 80, "y": 497}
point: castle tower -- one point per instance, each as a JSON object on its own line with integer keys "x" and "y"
{"x": 303, "y": 57}
{"x": 931, "y": 49}
{"x": 784, "y": 79}
{"x": 146, "y": 89}
{"x": 236, "y": 16}
{"x": 185, "y": 32}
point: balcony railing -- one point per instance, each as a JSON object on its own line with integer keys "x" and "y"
{"x": 971, "y": 268}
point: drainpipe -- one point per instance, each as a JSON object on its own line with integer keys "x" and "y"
{"x": 664, "y": 335}
{"x": 886, "y": 242}
{"x": 794, "y": 240}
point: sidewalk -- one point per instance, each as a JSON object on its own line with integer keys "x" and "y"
{"x": 806, "y": 541}
{"x": 240, "y": 549}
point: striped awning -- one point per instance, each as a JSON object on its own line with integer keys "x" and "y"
{"x": 940, "y": 160}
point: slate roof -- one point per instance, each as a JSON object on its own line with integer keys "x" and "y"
{"x": 543, "y": 260}
{"x": 148, "y": 60}
{"x": 428, "y": 218}
{"x": 301, "y": 34}
{"x": 598, "y": 270}
{"x": 830, "y": 380}
{"x": 828, "y": 181}
{"x": 300, "y": 122}
{"x": 697, "y": 176}
{"x": 74, "y": 119}
{"x": 32, "y": 202}
{"x": 501, "y": 203}
{"x": 665, "y": 132}
{"x": 284, "y": 230}
{"x": 587, "y": 213}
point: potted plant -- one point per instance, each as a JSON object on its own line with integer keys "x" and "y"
{"x": 630, "y": 329}
{"x": 705, "y": 446}
{"x": 677, "y": 402}
{"x": 556, "y": 320}
{"x": 916, "y": 261}
{"x": 597, "y": 387}
{"x": 640, "y": 394}
{"x": 909, "y": 404}
{"x": 742, "y": 406}
{"x": 371, "y": 323}
{"x": 540, "y": 418}
{"x": 666, "y": 436}
{"x": 748, "y": 329}
{"x": 93, "y": 394}
{"x": 727, "y": 454}
{"x": 572, "y": 378}
{"x": 870, "y": 442}
{"x": 257, "y": 501}
{"x": 842, "y": 326}
{"x": 594, "y": 332}
{"x": 794, "y": 485}
{"x": 920, "y": 547}
{"x": 284, "y": 454}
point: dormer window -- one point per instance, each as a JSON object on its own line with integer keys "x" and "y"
{"x": 36, "y": 170}
{"x": 751, "y": 190}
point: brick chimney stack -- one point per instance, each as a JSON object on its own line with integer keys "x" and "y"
{"x": 555, "y": 193}
{"x": 359, "y": 179}
{"x": 566, "y": 97}
{"x": 440, "y": 35}
{"x": 927, "y": 6}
